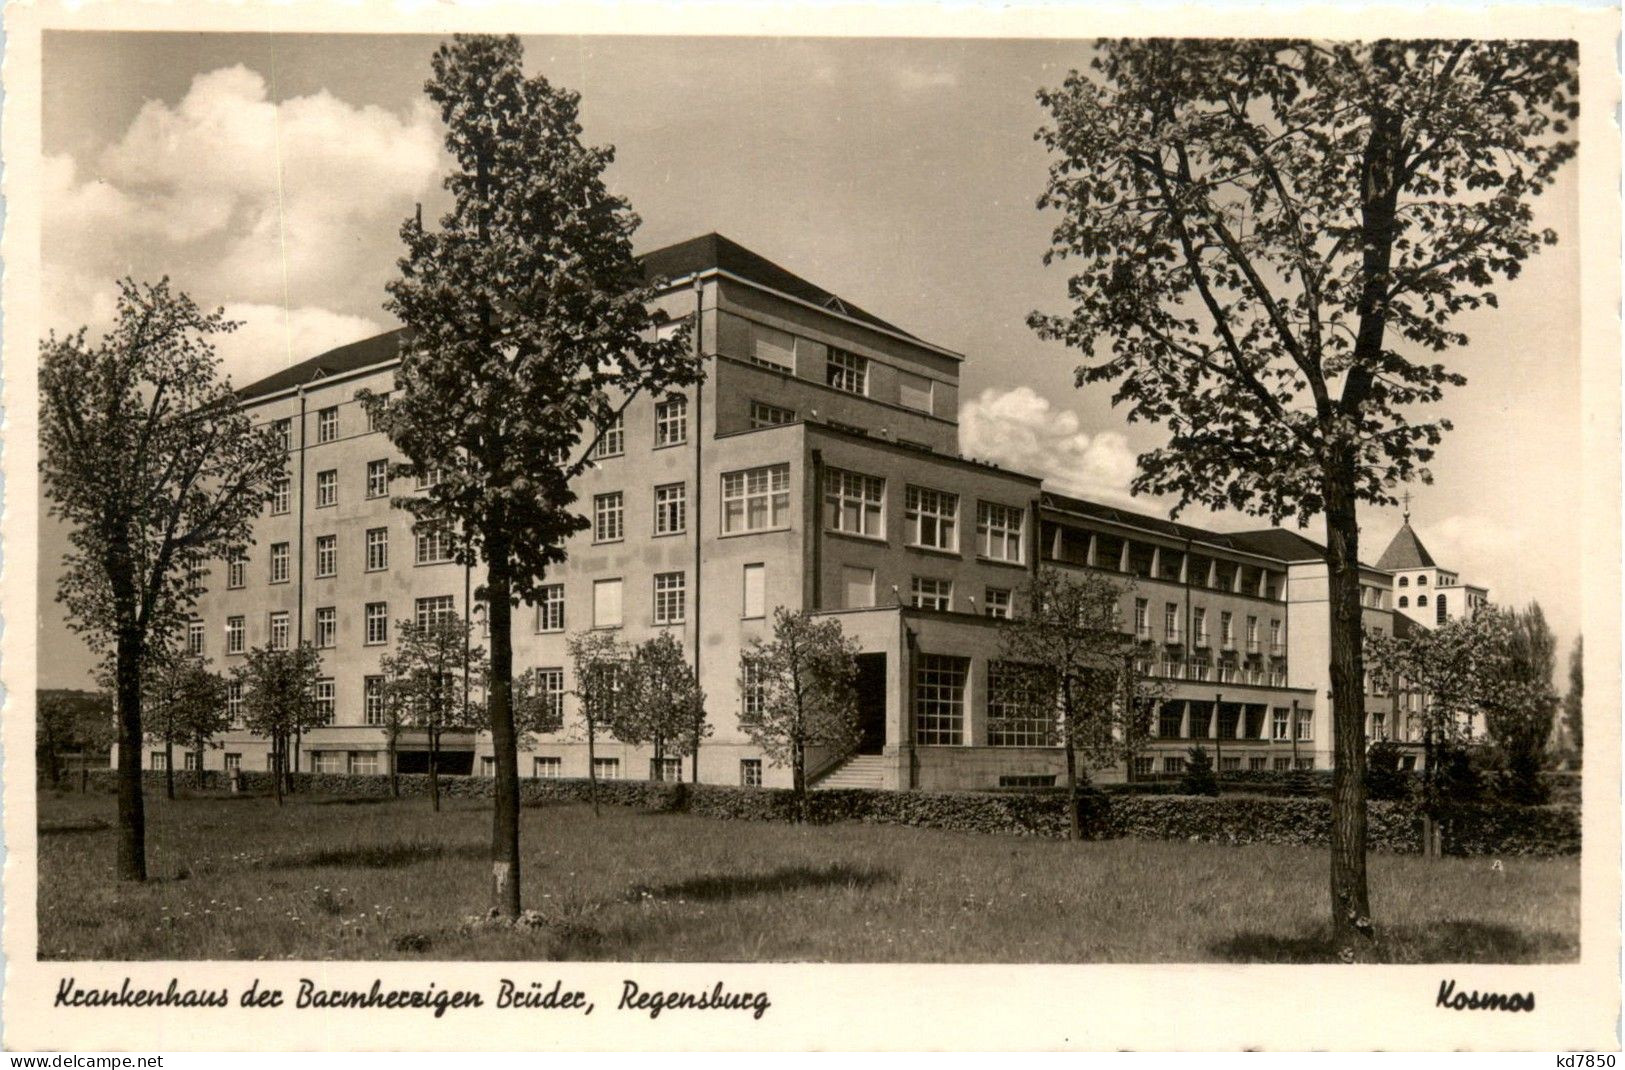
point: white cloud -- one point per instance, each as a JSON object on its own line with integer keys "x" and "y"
{"x": 918, "y": 78}
{"x": 1020, "y": 429}
{"x": 271, "y": 339}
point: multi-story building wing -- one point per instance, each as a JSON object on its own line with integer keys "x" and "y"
{"x": 816, "y": 468}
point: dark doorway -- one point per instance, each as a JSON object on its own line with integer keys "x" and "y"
{"x": 872, "y": 703}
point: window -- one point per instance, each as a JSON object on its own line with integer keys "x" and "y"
{"x": 488, "y": 765}
{"x": 1257, "y": 764}
{"x": 327, "y": 626}
{"x": 1252, "y": 633}
{"x": 752, "y": 692}
{"x": 377, "y": 479}
{"x": 671, "y": 508}
{"x": 281, "y": 491}
{"x": 1379, "y": 726}
{"x": 671, "y": 421}
{"x": 189, "y": 761}
{"x": 1421, "y": 581}
{"x": 550, "y": 610}
{"x": 670, "y": 589}
{"x": 324, "y": 701}
{"x": 606, "y": 768}
{"x": 430, "y": 475}
{"x": 326, "y": 761}
{"x": 1306, "y": 725}
{"x": 996, "y": 603}
{"x": 608, "y": 514}
{"x": 764, "y": 415}
{"x": 1201, "y": 720}
{"x": 1173, "y": 765}
{"x": 669, "y": 770}
{"x": 1170, "y": 621}
{"x": 939, "y": 700}
{"x": 1305, "y": 764}
{"x": 434, "y": 544}
{"x": 757, "y": 499}
{"x": 1199, "y": 625}
{"x": 1440, "y": 609}
{"x": 606, "y": 603}
{"x": 435, "y": 611}
{"x": 327, "y": 424}
{"x": 913, "y": 391}
{"x": 774, "y": 348}
{"x": 377, "y": 549}
{"x": 279, "y": 562}
{"x": 998, "y": 528}
{"x": 372, "y": 700}
{"x": 1228, "y": 764}
{"x": 1404, "y": 601}
{"x": 279, "y": 630}
{"x": 236, "y": 629}
{"x": 847, "y": 371}
{"x": 750, "y": 772}
{"x": 547, "y": 768}
{"x": 327, "y": 488}
{"x": 327, "y": 556}
{"x": 612, "y": 443}
{"x": 1144, "y": 765}
{"x": 854, "y": 503}
{"x": 550, "y": 685}
{"x": 383, "y": 403}
{"x": 858, "y": 587}
{"x": 158, "y": 760}
{"x": 194, "y": 637}
{"x": 928, "y": 593}
{"x": 1421, "y": 601}
{"x": 932, "y": 518}
{"x": 377, "y": 623}
{"x": 363, "y": 763}
{"x": 234, "y": 703}
{"x": 1404, "y": 581}
{"x": 284, "y": 433}
{"x": 236, "y": 566}
{"x": 1282, "y": 765}
{"x": 755, "y": 591}
{"x": 1275, "y": 637}
{"x": 1013, "y": 718}
{"x": 1169, "y": 719}
{"x": 232, "y": 761}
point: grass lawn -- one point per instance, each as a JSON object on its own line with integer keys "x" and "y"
{"x": 341, "y": 878}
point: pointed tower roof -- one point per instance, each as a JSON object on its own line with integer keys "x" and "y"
{"x": 1405, "y": 551}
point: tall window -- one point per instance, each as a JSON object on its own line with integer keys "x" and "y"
{"x": 755, "y": 594}
{"x": 756, "y": 499}
{"x": 284, "y": 433}
{"x": 236, "y": 635}
{"x": 1280, "y": 724}
{"x": 607, "y": 768}
{"x": 1199, "y": 625}
{"x": 608, "y": 515}
{"x": 372, "y": 699}
{"x": 612, "y": 443}
{"x": 1142, "y": 618}
{"x": 377, "y": 479}
{"x": 671, "y": 421}
{"x": 606, "y": 603}
{"x": 931, "y": 593}
{"x": 327, "y": 626}
{"x": 913, "y": 391}
{"x": 858, "y": 587}
{"x": 377, "y": 623}
{"x": 1252, "y": 633}
{"x": 324, "y": 701}
{"x": 1013, "y": 720}
{"x": 752, "y": 692}
{"x": 327, "y": 556}
{"x": 854, "y": 503}
{"x": 939, "y": 700}
{"x": 750, "y": 772}
{"x": 1275, "y": 636}
{"x": 1439, "y": 609}
{"x": 436, "y": 610}
{"x": 377, "y": 549}
{"x": 279, "y": 562}
{"x": 327, "y": 424}
{"x": 932, "y": 517}
{"x": 550, "y": 682}
{"x": 848, "y": 372}
{"x": 998, "y": 528}
{"x": 234, "y": 703}
{"x": 236, "y": 567}
{"x": 434, "y": 544}
{"x": 764, "y": 415}
{"x": 1169, "y": 719}
{"x": 1306, "y": 725}
{"x": 327, "y": 488}
{"x": 281, "y": 492}
{"x": 1170, "y": 621}
{"x": 1227, "y": 628}
{"x": 194, "y": 637}
{"x": 550, "y": 610}
{"x": 279, "y": 630}
{"x": 671, "y": 508}
{"x": 670, "y": 591}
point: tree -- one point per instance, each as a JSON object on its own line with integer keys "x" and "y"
{"x": 67, "y": 722}
{"x": 800, "y": 692}
{"x": 155, "y": 468}
{"x": 187, "y": 705}
{"x": 599, "y": 662}
{"x": 661, "y": 702}
{"x": 1269, "y": 239}
{"x": 1067, "y": 674}
{"x": 1519, "y": 701}
{"x": 427, "y": 679}
{"x": 538, "y": 709}
{"x": 1574, "y": 701}
{"x": 279, "y": 699}
{"x": 1199, "y": 778}
{"x": 528, "y": 328}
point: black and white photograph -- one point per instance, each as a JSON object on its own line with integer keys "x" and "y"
{"x": 559, "y": 499}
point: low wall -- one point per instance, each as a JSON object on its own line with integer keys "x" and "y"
{"x": 1492, "y": 829}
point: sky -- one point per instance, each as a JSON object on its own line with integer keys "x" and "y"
{"x": 269, "y": 174}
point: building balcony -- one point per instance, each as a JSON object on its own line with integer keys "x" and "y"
{"x": 1278, "y": 649}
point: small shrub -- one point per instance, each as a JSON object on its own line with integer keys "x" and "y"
{"x": 1384, "y": 779}
{"x": 1199, "y": 778}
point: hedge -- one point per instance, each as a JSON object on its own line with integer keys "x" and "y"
{"x": 1487, "y": 829}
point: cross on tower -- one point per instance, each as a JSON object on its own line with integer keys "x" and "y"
{"x": 1407, "y": 500}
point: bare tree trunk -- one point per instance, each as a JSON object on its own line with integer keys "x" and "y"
{"x": 394, "y": 765}
{"x": 169, "y": 769}
{"x": 278, "y": 758}
{"x": 1351, "y": 911}
{"x": 434, "y": 768}
{"x": 1074, "y": 827}
{"x": 592, "y": 764}
{"x": 198, "y": 765}
{"x": 798, "y": 763}
{"x": 132, "y": 818}
{"x": 504, "y": 740}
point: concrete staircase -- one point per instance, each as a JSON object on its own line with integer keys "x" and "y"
{"x": 858, "y": 771}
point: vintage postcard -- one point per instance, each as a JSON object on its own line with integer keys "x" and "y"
{"x": 800, "y": 528}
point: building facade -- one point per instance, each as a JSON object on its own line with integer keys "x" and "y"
{"x": 817, "y": 468}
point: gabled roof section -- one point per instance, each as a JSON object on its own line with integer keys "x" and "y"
{"x": 1405, "y": 551}
{"x": 1281, "y": 544}
{"x": 713, "y": 251}
{"x": 347, "y": 358}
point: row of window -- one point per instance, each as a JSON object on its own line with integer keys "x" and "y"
{"x": 1172, "y": 619}
{"x": 671, "y": 513}
{"x": 543, "y": 767}
{"x": 671, "y": 429}
{"x": 375, "y": 616}
{"x": 1146, "y": 765}
{"x": 432, "y": 545}
{"x": 327, "y": 486}
{"x": 843, "y": 370}
{"x": 855, "y": 504}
